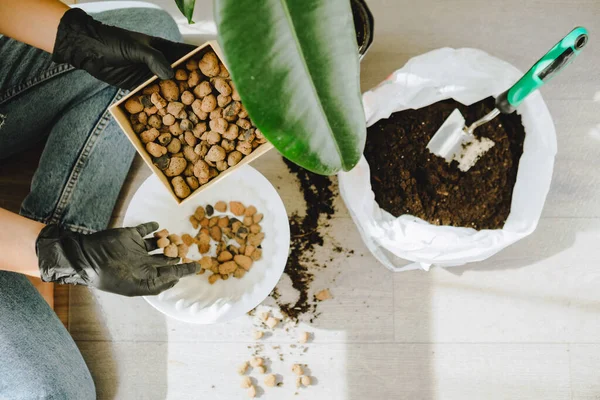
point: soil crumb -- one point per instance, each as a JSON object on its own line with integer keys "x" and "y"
{"x": 408, "y": 179}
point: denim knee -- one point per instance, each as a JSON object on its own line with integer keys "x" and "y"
{"x": 161, "y": 23}
{"x": 151, "y": 21}
{"x": 68, "y": 391}
{"x": 52, "y": 387}
{"x": 38, "y": 357}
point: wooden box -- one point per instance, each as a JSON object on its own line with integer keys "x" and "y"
{"x": 122, "y": 119}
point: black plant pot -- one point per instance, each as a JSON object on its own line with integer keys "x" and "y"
{"x": 364, "y": 24}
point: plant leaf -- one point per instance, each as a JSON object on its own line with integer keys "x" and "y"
{"x": 187, "y": 8}
{"x": 295, "y": 65}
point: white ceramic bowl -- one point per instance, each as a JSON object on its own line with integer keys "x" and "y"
{"x": 193, "y": 299}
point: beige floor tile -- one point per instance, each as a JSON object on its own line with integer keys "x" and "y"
{"x": 544, "y": 289}
{"x": 498, "y": 371}
{"x": 176, "y": 371}
{"x": 585, "y": 371}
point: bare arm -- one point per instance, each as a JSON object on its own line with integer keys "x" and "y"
{"x": 34, "y": 22}
{"x": 17, "y": 243}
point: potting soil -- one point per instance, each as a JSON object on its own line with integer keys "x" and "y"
{"x": 408, "y": 179}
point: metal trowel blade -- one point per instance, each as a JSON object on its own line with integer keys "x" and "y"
{"x": 452, "y": 142}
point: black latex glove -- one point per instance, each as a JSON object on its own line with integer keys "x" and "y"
{"x": 115, "y": 260}
{"x": 116, "y": 56}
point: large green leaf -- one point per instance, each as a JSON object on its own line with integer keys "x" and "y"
{"x": 187, "y": 8}
{"x": 295, "y": 65}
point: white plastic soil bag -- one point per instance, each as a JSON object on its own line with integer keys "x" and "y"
{"x": 466, "y": 75}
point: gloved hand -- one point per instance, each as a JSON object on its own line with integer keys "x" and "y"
{"x": 116, "y": 56}
{"x": 114, "y": 260}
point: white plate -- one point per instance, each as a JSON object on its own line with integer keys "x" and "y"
{"x": 193, "y": 299}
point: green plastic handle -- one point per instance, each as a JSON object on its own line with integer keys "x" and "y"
{"x": 558, "y": 57}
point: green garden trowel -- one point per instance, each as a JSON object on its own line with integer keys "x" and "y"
{"x": 455, "y": 141}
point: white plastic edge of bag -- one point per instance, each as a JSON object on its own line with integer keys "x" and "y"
{"x": 467, "y": 75}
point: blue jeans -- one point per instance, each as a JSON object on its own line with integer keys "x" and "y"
{"x": 83, "y": 166}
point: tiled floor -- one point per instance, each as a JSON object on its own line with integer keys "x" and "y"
{"x": 522, "y": 325}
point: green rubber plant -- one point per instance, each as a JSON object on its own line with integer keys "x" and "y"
{"x": 295, "y": 64}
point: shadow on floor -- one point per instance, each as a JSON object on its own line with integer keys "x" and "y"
{"x": 108, "y": 359}
{"x": 97, "y": 353}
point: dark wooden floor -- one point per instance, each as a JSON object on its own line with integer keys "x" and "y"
{"x": 16, "y": 173}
